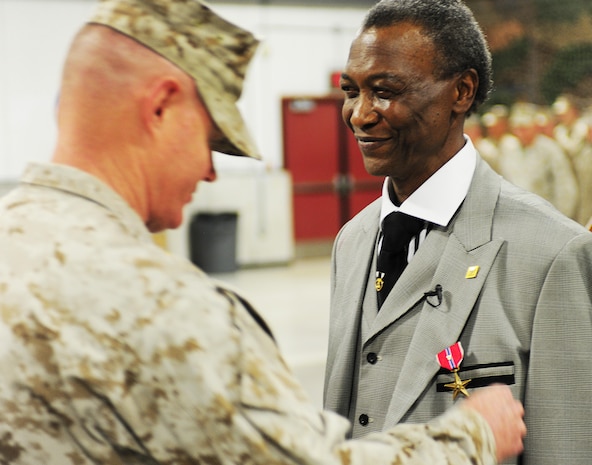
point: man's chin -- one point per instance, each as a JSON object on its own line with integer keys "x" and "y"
{"x": 157, "y": 225}
{"x": 375, "y": 167}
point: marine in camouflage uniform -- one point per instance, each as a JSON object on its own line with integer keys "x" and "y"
{"x": 114, "y": 351}
{"x": 117, "y": 352}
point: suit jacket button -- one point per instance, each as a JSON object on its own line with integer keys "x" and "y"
{"x": 372, "y": 358}
{"x": 363, "y": 419}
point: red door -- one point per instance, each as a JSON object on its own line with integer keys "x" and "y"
{"x": 330, "y": 184}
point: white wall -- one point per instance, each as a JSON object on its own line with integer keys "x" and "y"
{"x": 34, "y": 37}
{"x": 301, "y": 46}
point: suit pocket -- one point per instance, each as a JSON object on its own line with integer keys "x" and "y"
{"x": 480, "y": 376}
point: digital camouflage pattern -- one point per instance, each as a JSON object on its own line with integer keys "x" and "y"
{"x": 215, "y": 52}
{"x": 116, "y": 352}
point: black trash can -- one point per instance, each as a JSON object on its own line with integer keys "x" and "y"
{"x": 212, "y": 240}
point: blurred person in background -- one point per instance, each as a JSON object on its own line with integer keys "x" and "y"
{"x": 539, "y": 164}
{"x": 475, "y": 131}
{"x": 544, "y": 121}
{"x": 572, "y": 132}
{"x": 498, "y": 140}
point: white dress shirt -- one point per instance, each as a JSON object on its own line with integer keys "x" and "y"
{"x": 439, "y": 197}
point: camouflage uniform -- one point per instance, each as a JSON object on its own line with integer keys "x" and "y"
{"x": 575, "y": 141}
{"x": 116, "y": 352}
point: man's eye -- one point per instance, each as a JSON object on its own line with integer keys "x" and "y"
{"x": 348, "y": 90}
{"x": 384, "y": 93}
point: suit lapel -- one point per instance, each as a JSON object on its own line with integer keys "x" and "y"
{"x": 465, "y": 243}
{"x": 409, "y": 289}
{"x": 442, "y": 326}
{"x": 348, "y": 298}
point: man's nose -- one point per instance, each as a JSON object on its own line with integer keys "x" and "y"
{"x": 363, "y": 113}
{"x": 212, "y": 175}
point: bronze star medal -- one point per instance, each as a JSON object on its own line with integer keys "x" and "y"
{"x": 458, "y": 387}
{"x": 450, "y": 359}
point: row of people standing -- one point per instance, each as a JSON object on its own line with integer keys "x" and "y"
{"x": 546, "y": 150}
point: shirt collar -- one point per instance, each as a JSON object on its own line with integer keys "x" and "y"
{"x": 82, "y": 184}
{"x": 439, "y": 197}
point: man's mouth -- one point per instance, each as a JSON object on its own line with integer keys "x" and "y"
{"x": 368, "y": 142}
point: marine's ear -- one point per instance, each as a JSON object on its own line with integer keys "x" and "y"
{"x": 160, "y": 97}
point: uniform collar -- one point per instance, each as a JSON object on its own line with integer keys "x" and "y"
{"x": 77, "y": 182}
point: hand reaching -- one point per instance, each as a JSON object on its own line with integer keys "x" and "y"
{"x": 505, "y": 417}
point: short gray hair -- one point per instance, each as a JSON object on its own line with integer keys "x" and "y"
{"x": 458, "y": 38}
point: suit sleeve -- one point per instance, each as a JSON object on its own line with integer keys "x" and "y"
{"x": 558, "y": 396}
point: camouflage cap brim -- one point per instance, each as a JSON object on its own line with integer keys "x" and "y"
{"x": 215, "y": 52}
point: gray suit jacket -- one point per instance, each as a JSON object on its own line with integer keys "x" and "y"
{"x": 525, "y": 320}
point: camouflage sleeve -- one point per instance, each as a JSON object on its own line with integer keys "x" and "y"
{"x": 459, "y": 436}
{"x": 293, "y": 431}
{"x": 185, "y": 376}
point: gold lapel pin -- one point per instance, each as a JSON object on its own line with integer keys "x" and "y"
{"x": 472, "y": 272}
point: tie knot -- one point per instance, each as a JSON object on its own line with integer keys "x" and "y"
{"x": 398, "y": 229}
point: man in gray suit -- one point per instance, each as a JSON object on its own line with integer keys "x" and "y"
{"x": 491, "y": 266}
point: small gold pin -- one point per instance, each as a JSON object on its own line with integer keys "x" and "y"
{"x": 379, "y": 281}
{"x": 472, "y": 272}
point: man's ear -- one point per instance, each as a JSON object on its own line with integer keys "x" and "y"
{"x": 160, "y": 99}
{"x": 466, "y": 90}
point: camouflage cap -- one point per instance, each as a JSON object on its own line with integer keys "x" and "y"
{"x": 215, "y": 52}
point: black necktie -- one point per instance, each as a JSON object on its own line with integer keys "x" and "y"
{"x": 398, "y": 229}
